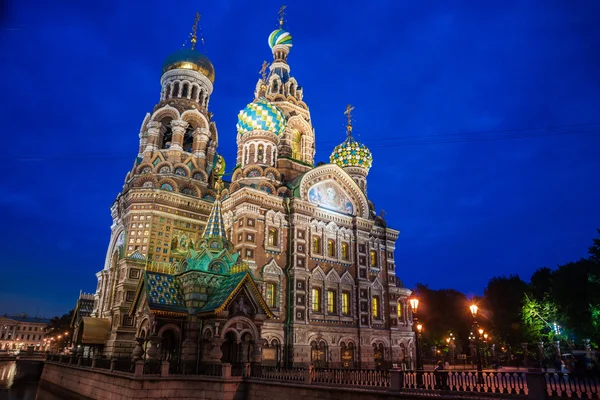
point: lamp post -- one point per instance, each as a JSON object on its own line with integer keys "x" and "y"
{"x": 476, "y": 328}
{"x": 414, "y": 305}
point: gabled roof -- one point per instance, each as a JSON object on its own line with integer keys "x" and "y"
{"x": 227, "y": 291}
{"x": 164, "y": 292}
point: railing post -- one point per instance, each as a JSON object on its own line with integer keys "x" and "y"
{"x": 308, "y": 375}
{"x": 397, "y": 380}
{"x": 226, "y": 370}
{"x": 164, "y": 368}
{"x": 536, "y": 384}
{"x": 113, "y": 361}
{"x": 79, "y": 360}
{"x": 94, "y": 362}
{"x": 139, "y": 368}
{"x": 247, "y": 371}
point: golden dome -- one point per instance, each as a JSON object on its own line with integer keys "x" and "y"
{"x": 190, "y": 59}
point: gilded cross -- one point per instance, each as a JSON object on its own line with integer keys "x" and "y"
{"x": 281, "y": 13}
{"x": 348, "y": 114}
{"x": 263, "y": 70}
{"x": 194, "y": 30}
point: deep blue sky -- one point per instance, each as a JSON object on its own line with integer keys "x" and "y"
{"x": 78, "y": 78}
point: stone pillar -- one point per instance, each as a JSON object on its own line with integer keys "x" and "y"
{"x": 201, "y": 137}
{"x": 138, "y": 351}
{"x": 139, "y": 368}
{"x": 525, "y": 352}
{"x": 152, "y": 141}
{"x": 226, "y": 370}
{"x": 540, "y": 350}
{"x": 179, "y": 127}
{"x": 215, "y": 354}
{"x": 113, "y": 362}
{"x": 164, "y": 368}
{"x": 308, "y": 375}
{"x": 256, "y": 356}
{"x": 397, "y": 380}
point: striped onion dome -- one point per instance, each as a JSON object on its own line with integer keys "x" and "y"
{"x": 279, "y": 36}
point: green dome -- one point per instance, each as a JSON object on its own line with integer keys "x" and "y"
{"x": 190, "y": 59}
{"x": 351, "y": 153}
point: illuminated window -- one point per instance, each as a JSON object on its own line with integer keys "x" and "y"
{"x": 399, "y": 310}
{"x": 272, "y": 237}
{"x": 345, "y": 254}
{"x": 373, "y": 258}
{"x": 297, "y": 145}
{"x": 345, "y": 303}
{"x": 270, "y": 294}
{"x": 331, "y": 306}
{"x": 316, "y": 299}
{"x": 375, "y": 306}
{"x": 316, "y": 245}
{"x": 330, "y": 248}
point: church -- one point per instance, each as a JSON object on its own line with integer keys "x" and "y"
{"x": 286, "y": 263}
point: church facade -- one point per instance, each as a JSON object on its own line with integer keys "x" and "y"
{"x": 286, "y": 263}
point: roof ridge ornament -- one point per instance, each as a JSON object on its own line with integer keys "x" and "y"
{"x": 194, "y": 37}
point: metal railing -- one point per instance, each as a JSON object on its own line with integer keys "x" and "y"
{"x": 278, "y": 373}
{"x": 353, "y": 377}
{"x": 573, "y": 385}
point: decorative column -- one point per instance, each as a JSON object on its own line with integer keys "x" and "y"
{"x": 201, "y": 137}
{"x": 215, "y": 354}
{"x": 152, "y": 140}
{"x": 179, "y": 127}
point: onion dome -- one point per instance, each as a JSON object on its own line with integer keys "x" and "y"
{"x": 279, "y": 36}
{"x": 261, "y": 115}
{"x": 190, "y": 59}
{"x": 351, "y": 153}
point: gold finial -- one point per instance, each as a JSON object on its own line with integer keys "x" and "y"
{"x": 194, "y": 30}
{"x": 281, "y": 13}
{"x": 348, "y": 114}
{"x": 219, "y": 186}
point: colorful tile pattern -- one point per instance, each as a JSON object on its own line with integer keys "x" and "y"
{"x": 279, "y": 36}
{"x": 260, "y": 115}
{"x": 164, "y": 291}
{"x": 215, "y": 226}
{"x": 351, "y": 153}
{"x": 225, "y": 291}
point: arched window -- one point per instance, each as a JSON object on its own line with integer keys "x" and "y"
{"x": 270, "y": 294}
{"x": 345, "y": 303}
{"x": 331, "y": 302}
{"x": 345, "y": 253}
{"x": 167, "y": 136}
{"x": 297, "y": 145}
{"x": 331, "y": 248}
{"x": 399, "y": 311}
{"x": 260, "y": 153}
{"x": 316, "y": 245}
{"x": 316, "y": 299}
{"x": 375, "y": 306}
{"x": 188, "y": 139}
{"x": 175, "y": 90}
{"x": 184, "y": 92}
{"x": 272, "y": 237}
{"x": 373, "y": 258}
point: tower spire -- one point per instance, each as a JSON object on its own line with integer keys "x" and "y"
{"x": 194, "y": 38}
{"x": 281, "y": 13}
{"x": 215, "y": 226}
{"x": 348, "y": 114}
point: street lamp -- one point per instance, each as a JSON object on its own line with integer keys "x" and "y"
{"x": 474, "y": 309}
{"x": 414, "y": 305}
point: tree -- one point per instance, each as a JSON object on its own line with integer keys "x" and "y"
{"x": 503, "y": 301}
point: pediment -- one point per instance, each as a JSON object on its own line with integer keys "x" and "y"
{"x": 331, "y": 188}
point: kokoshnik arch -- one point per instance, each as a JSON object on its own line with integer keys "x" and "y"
{"x": 287, "y": 263}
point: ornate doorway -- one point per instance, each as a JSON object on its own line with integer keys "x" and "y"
{"x": 169, "y": 346}
{"x": 347, "y": 355}
{"x": 318, "y": 354}
{"x": 229, "y": 348}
